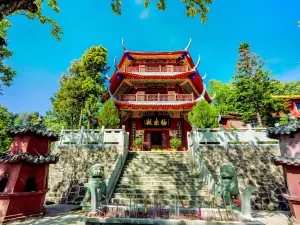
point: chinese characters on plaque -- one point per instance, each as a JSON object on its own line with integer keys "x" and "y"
{"x": 156, "y": 122}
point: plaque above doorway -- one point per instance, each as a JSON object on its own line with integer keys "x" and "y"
{"x": 156, "y": 122}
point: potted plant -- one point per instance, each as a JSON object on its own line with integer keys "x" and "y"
{"x": 175, "y": 143}
{"x": 138, "y": 143}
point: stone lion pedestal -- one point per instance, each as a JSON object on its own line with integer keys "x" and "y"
{"x": 95, "y": 189}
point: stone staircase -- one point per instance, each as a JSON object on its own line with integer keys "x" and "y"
{"x": 166, "y": 178}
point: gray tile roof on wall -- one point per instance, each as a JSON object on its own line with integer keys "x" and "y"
{"x": 46, "y": 159}
{"x": 291, "y": 126}
{"x": 284, "y": 160}
{"x": 37, "y": 130}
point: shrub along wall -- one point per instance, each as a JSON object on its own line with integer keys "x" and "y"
{"x": 254, "y": 168}
{"x": 68, "y": 176}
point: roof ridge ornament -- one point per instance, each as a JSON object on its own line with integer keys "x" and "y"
{"x": 107, "y": 77}
{"x": 201, "y": 97}
{"x": 197, "y": 64}
{"x": 111, "y": 95}
{"x": 189, "y": 44}
{"x": 115, "y": 62}
{"x": 124, "y": 47}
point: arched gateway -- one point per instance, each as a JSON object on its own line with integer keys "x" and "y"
{"x": 154, "y": 91}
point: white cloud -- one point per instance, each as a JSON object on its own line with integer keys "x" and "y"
{"x": 139, "y": 2}
{"x": 290, "y": 75}
{"x": 145, "y": 14}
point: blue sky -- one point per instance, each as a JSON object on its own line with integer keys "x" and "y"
{"x": 270, "y": 27}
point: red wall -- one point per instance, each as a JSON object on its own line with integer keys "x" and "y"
{"x": 18, "y": 173}
{"x": 29, "y": 144}
{"x": 293, "y": 179}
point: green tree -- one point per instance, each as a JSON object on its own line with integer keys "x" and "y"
{"x": 77, "y": 100}
{"x": 225, "y": 98}
{"x": 26, "y": 119}
{"x": 204, "y": 115}
{"x": 254, "y": 86}
{"x": 6, "y": 72}
{"x": 34, "y": 7}
{"x": 6, "y": 120}
{"x": 192, "y": 7}
{"x": 108, "y": 115}
{"x": 287, "y": 88}
{"x": 52, "y": 122}
{"x": 32, "y": 10}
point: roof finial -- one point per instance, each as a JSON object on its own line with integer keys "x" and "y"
{"x": 115, "y": 62}
{"x": 205, "y": 75}
{"x": 125, "y": 49}
{"x": 197, "y": 64}
{"x": 189, "y": 44}
{"x": 107, "y": 77}
{"x": 111, "y": 95}
{"x": 202, "y": 94}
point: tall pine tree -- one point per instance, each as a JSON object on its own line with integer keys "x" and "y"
{"x": 254, "y": 85}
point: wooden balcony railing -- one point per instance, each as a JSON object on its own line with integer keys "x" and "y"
{"x": 156, "y": 97}
{"x": 167, "y": 68}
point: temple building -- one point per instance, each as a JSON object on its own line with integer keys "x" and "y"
{"x": 154, "y": 91}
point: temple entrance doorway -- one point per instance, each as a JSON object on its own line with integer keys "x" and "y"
{"x": 156, "y": 139}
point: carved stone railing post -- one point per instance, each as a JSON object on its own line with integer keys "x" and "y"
{"x": 224, "y": 139}
{"x": 81, "y": 140}
{"x": 122, "y": 137}
{"x": 101, "y": 139}
{"x": 61, "y": 136}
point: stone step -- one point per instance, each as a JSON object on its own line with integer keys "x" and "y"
{"x": 170, "y": 191}
{"x": 171, "y": 202}
{"x": 166, "y": 173}
{"x": 156, "y": 170}
{"x": 158, "y": 178}
{"x": 160, "y": 182}
{"x": 158, "y": 161}
{"x": 155, "y": 156}
{"x": 158, "y": 153}
{"x": 160, "y": 196}
{"x": 160, "y": 187}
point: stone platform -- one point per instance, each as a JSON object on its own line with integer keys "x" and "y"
{"x": 112, "y": 221}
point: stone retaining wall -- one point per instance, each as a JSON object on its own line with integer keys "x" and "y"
{"x": 68, "y": 176}
{"x": 254, "y": 168}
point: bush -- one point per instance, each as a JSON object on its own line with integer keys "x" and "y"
{"x": 138, "y": 142}
{"x": 175, "y": 142}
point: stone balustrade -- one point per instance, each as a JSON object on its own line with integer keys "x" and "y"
{"x": 102, "y": 137}
{"x": 231, "y": 136}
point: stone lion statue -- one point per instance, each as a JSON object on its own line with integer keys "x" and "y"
{"x": 96, "y": 178}
{"x": 229, "y": 184}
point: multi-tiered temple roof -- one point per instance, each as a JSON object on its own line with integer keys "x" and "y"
{"x": 141, "y": 70}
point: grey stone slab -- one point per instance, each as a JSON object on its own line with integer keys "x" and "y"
{"x": 110, "y": 221}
